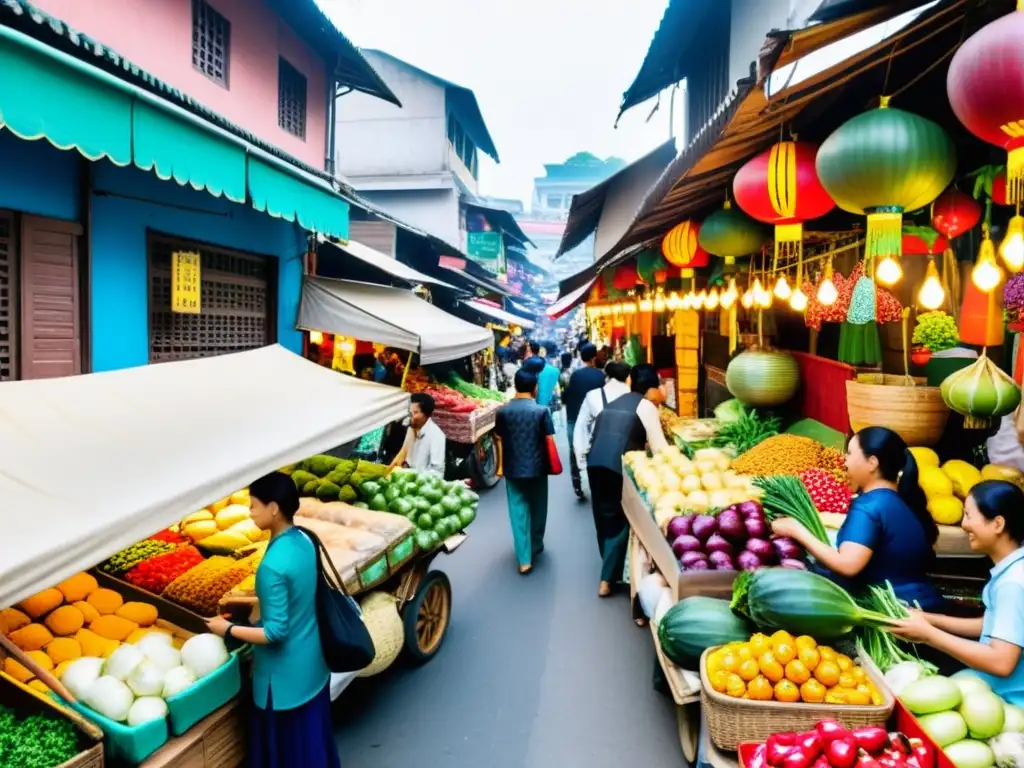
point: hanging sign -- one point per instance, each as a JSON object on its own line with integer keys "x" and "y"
{"x": 487, "y": 250}
{"x": 186, "y": 283}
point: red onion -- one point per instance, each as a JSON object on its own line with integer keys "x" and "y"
{"x": 684, "y": 544}
{"x": 689, "y": 558}
{"x": 763, "y": 549}
{"x": 756, "y": 528}
{"x": 730, "y": 524}
{"x": 796, "y": 565}
{"x": 748, "y": 561}
{"x": 678, "y": 526}
{"x": 750, "y": 508}
{"x": 717, "y": 543}
{"x": 704, "y": 526}
{"x": 787, "y": 549}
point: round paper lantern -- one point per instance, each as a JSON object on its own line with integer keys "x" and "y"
{"x": 648, "y": 262}
{"x": 955, "y": 212}
{"x": 923, "y": 241}
{"x": 780, "y": 186}
{"x": 763, "y": 377}
{"x": 730, "y": 233}
{"x": 999, "y": 191}
{"x": 681, "y": 248}
{"x": 882, "y": 163}
{"x": 985, "y": 86}
{"x": 625, "y": 276}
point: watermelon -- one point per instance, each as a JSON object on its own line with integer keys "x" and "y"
{"x": 451, "y": 504}
{"x": 424, "y": 521}
{"x": 369, "y": 489}
{"x": 436, "y": 511}
{"x": 424, "y": 540}
{"x": 379, "y": 503}
{"x": 467, "y": 515}
{"x": 400, "y": 506}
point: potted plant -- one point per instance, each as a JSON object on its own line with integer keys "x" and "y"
{"x": 935, "y": 332}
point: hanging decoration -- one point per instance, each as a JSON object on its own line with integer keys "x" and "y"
{"x": 648, "y": 262}
{"x": 827, "y": 293}
{"x": 681, "y": 247}
{"x": 1011, "y": 250}
{"x": 625, "y": 276}
{"x": 953, "y": 214}
{"x": 981, "y": 393}
{"x": 922, "y": 241}
{"x": 730, "y": 233}
{"x": 985, "y": 86}
{"x": 932, "y": 294}
{"x": 986, "y": 274}
{"x": 882, "y": 163}
{"x": 981, "y": 315}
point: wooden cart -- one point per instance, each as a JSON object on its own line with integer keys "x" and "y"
{"x": 471, "y": 451}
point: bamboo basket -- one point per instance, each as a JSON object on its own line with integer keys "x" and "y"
{"x": 731, "y": 721}
{"x": 914, "y": 411}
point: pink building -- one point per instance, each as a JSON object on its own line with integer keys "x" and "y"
{"x": 271, "y": 67}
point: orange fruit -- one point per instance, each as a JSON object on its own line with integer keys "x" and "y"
{"x": 785, "y": 652}
{"x": 827, "y": 654}
{"x": 787, "y": 690}
{"x": 809, "y": 656}
{"x": 734, "y": 685}
{"x": 863, "y": 688}
{"x": 770, "y": 667}
{"x": 838, "y": 697}
{"x": 744, "y": 653}
{"x": 846, "y": 680}
{"x": 845, "y": 662}
{"x": 719, "y": 680}
{"x": 730, "y": 662}
{"x": 760, "y": 689}
{"x": 805, "y": 641}
{"x": 759, "y": 643}
{"x": 749, "y": 670}
{"x": 715, "y": 661}
{"x": 827, "y": 673}
{"x": 860, "y": 675}
{"x": 782, "y": 636}
{"x": 797, "y": 671}
{"x": 812, "y": 692}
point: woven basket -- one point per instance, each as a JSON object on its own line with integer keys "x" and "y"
{"x": 915, "y": 413}
{"x": 380, "y": 614}
{"x": 731, "y": 721}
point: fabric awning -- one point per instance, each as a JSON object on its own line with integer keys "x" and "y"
{"x": 74, "y": 105}
{"x": 389, "y": 316}
{"x": 383, "y": 262}
{"x": 94, "y": 463}
{"x": 572, "y": 299}
{"x": 497, "y": 313}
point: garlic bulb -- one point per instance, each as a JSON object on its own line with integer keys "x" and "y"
{"x": 981, "y": 393}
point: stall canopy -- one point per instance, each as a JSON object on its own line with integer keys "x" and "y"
{"x": 388, "y": 316}
{"x": 497, "y": 313}
{"x": 382, "y": 263}
{"x": 91, "y": 464}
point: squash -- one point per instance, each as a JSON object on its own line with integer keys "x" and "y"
{"x": 63, "y": 649}
{"x": 142, "y": 614}
{"x": 65, "y": 621}
{"x": 90, "y": 613}
{"x": 113, "y": 627}
{"x": 32, "y": 637}
{"x": 12, "y": 619}
{"x": 41, "y": 604}
{"x": 94, "y": 645}
{"x": 695, "y": 624}
{"x": 105, "y": 601}
{"x": 78, "y": 587}
{"x": 195, "y": 517}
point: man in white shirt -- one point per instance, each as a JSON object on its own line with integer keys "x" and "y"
{"x": 424, "y": 448}
{"x": 616, "y": 385}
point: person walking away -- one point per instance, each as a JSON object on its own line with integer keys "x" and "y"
{"x": 547, "y": 382}
{"x": 522, "y": 428}
{"x": 291, "y": 722}
{"x": 583, "y": 380}
{"x": 425, "y": 443}
{"x": 616, "y": 375}
{"x": 629, "y": 423}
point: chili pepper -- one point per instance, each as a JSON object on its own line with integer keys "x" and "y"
{"x": 871, "y": 738}
{"x": 899, "y": 743}
{"x": 810, "y": 742}
{"x": 842, "y": 752}
{"x": 831, "y": 730}
{"x": 778, "y": 746}
{"x": 759, "y": 759}
{"x": 798, "y": 757}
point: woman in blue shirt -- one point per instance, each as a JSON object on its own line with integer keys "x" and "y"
{"x": 990, "y": 645}
{"x": 888, "y": 534}
{"x": 290, "y": 681}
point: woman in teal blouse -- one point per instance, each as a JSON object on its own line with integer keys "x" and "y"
{"x": 290, "y": 679}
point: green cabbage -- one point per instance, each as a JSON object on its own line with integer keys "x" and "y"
{"x": 730, "y": 411}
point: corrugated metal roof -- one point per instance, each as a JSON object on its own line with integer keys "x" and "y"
{"x": 503, "y": 220}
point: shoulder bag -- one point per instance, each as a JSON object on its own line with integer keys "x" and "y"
{"x": 554, "y": 461}
{"x": 346, "y": 643}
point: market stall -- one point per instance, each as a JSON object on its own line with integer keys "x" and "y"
{"x": 123, "y": 574}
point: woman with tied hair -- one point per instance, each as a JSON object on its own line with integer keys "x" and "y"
{"x": 990, "y": 645}
{"x": 888, "y": 534}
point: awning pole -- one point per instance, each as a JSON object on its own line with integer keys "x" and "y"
{"x": 405, "y": 370}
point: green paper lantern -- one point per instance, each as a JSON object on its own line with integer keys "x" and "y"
{"x": 730, "y": 233}
{"x": 649, "y": 261}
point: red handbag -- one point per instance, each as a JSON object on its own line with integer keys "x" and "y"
{"x": 554, "y": 460}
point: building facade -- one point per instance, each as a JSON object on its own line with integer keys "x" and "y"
{"x": 553, "y": 192}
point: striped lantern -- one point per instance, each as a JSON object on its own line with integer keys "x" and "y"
{"x": 681, "y": 246}
{"x": 780, "y": 186}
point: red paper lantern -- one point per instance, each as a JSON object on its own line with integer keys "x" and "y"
{"x": 999, "y": 189}
{"x": 625, "y": 277}
{"x": 985, "y": 86}
{"x": 680, "y": 247}
{"x": 919, "y": 244}
{"x": 780, "y": 186}
{"x": 955, "y": 212}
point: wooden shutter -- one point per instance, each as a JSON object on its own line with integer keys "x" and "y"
{"x": 51, "y": 323}
{"x": 379, "y": 235}
{"x": 8, "y": 300}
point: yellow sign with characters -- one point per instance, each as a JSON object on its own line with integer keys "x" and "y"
{"x": 186, "y": 283}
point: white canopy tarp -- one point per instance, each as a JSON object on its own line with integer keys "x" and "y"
{"x": 385, "y": 263}
{"x": 499, "y": 314}
{"x": 570, "y": 300}
{"x": 388, "y": 316}
{"x": 91, "y": 464}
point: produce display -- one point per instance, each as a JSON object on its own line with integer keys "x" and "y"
{"x": 332, "y": 479}
{"x": 832, "y": 745}
{"x": 946, "y": 486}
{"x": 780, "y": 667}
{"x": 36, "y": 741}
{"x": 786, "y": 496}
{"x": 463, "y": 387}
{"x": 936, "y": 331}
{"x": 787, "y": 455}
{"x": 742, "y": 427}
{"x": 155, "y": 574}
{"x": 827, "y": 493}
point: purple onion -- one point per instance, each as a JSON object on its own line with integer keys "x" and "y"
{"x": 762, "y": 548}
{"x": 721, "y": 558}
{"x": 787, "y": 549}
{"x": 796, "y": 565}
{"x": 689, "y": 558}
{"x": 748, "y": 561}
{"x": 684, "y": 544}
{"x": 704, "y": 526}
{"x": 717, "y": 543}
{"x": 730, "y": 524}
{"x": 756, "y": 528}
{"x": 750, "y": 509}
{"x": 678, "y": 526}
{"x": 699, "y": 565}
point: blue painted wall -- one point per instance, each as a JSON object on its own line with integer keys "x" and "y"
{"x": 36, "y": 177}
{"x": 121, "y": 217}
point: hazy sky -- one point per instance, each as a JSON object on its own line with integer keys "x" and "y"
{"x": 549, "y": 74}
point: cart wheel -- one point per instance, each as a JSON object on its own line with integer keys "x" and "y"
{"x": 484, "y": 462}
{"x": 426, "y": 617}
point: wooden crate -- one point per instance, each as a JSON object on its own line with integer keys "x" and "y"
{"x": 219, "y": 741}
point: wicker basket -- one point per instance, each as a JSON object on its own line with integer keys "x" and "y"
{"x": 916, "y": 413}
{"x": 731, "y": 721}
{"x": 380, "y": 614}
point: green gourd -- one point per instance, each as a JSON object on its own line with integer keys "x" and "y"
{"x": 695, "y": 624}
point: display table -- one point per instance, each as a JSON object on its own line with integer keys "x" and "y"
{"x": 218, "y": 741}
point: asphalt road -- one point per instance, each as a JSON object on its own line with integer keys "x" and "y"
{"x": 536, "y": 671}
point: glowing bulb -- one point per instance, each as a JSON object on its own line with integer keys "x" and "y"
{"x": 827, "y": 293}
{"x": 932, "y": 294}
{"x": 1011, "y": 250}
{"x": 747, "y": 300}
{"x": 315, "y": 337}
{"x": 711, "y": 302}
{"x": 727, "y": 299}
{"x": 646, "y": 305}
{"x": 659, "y": 303}
{"x": 686, "y": 302}
{"x": 673, "y": 301}
{"x": 782, "y": 289}
{"x": 986, "y": 275}
{"x": 616, "y": 309}
{"x": 798, "y": 300}
{"x": 629, "y": 308}
{"x": 889, "y": 271}
{"x": 701, "y": 299}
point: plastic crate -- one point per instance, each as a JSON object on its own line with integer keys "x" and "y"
{"x": 206, "y": 696}
{"x": 129, "y": 743}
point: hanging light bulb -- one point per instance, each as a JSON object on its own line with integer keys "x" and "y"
{"x": 932, "y": 294}
{"x": 1011, "y": 250}
{"x": 888, "y": 271}
{"x": 659, "y": 302}
{"x": 629, "y": 308}
{"x": 701, "y": 299}
{"x": 730, "y": 295}
{"x": 673, "y": 301}
{"x": 686, "y": 302}
{"x": 798, "y": 300}
{"x": 986, "y": 273}
{"x": 616, "y": 309}
{"x": 711, "y": 302}
{"x": 747, "y": 300}
{"x": 646, "y": 305}
{"x": 316, "y": 337}
{"x": 782, "y": 289}
{"x": 827, "y": 293}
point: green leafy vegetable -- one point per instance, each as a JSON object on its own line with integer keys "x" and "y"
{"x": 730, "y": 410}
{"x": 936, "y": 330}
{"x": 747, "y": 431}
{"x": 38, "y": 741}
{"x": 786, "y": 496}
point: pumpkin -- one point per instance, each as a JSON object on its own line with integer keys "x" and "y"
{"x": 763, "y": 377}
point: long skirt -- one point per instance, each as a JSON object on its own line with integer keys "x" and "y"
{"x": 609, "y": 521}
{"x": 528, "y": 514}
{"x": 293, "y": 738}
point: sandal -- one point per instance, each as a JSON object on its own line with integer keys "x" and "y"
{"x": 604, "y": 589}
{"x": 525, "y": 569}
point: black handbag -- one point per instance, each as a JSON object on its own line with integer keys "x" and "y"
{"x": 345, "y": 641}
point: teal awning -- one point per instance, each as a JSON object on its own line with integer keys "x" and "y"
{"x": 48, "y": 94}
{"x": 282, "y": 195}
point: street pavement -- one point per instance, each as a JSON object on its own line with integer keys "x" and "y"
{"x": 536, "y": 671}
